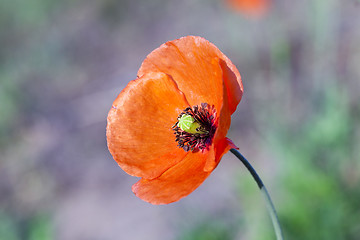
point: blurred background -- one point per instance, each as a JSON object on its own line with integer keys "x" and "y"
{"x": 62, "y": 63}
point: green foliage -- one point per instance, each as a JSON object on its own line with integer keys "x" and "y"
{"x": 23, "y": 14}
{"x": 37, "y": 227}
{"x": 8, "y": 229}
{"x": 318, "y": 201}
{"x": 40, "y": 228}
{"x": 210, "y": 230}
{"x": 8, "y": 105}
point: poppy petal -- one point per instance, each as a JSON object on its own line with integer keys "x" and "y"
{"x": 220, "y": 142}
{"x": 220, "y": 149}
{"x": 139, "y": 131}
{"x": 177, "y": 182}
{"x": 223, "y": 147}
{"x": 190, "y": 61}
{"x": 233, "y": 83}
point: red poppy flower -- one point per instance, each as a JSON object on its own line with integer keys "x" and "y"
{"x": 185, "y": 81}
{"x": 253, "y": 8}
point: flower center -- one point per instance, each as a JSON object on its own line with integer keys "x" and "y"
{"x": 195, "y": 127}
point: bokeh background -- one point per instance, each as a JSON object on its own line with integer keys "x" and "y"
{"x": 62, "y": 63}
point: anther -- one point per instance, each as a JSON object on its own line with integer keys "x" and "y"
{"x": 195, "y": 127}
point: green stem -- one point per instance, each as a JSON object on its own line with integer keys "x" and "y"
{"x": 269, "y": 204}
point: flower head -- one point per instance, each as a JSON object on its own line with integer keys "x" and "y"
{"x": 251, "y": 8}
{"x": 169, "y": 125}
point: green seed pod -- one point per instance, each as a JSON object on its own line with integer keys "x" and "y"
{"x": 188, "y": 124}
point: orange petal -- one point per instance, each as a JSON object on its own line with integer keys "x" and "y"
{"x": 190, "y": 61}
{"x": 222, "y": 147}
{"x": 233, "y": 84}
{"x": 177, "y": 182}
{"x": 219, "y": 141}
{"x": 139, "y": 133}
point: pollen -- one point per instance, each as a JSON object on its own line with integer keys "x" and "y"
{"x": 195, "y": 127}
